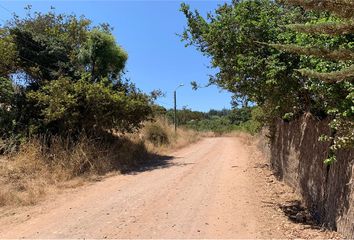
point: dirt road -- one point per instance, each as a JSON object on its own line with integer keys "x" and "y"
{"x": 213, "y": 189}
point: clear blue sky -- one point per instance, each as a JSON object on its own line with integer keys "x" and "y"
{"x": 147, "y": 31}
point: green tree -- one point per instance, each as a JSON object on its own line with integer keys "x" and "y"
{"x": 326, "y": 45}
{"x": 102, "y": 56}
{"x": 238, "y": 116}
{"x": 48, "y": 45}
{"x": 260, "y": 58}
{"x": 7, "y": 92}
{"x": 90, "y": 107}
{"x": 232, "y": 37}
{"x": 7, "y": 54}
{"x": 7, "y": 96}
{"x": 68, "y": 77}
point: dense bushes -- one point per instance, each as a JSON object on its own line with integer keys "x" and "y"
{"x": 247, "y": 119}
{"x": 214, "y": 124}
{"x": 257, "y": 56}
{"x": 89, "y": 107}
{"x": 254, "y": 124}
{"x": 156, "y": 134}
{"x": 61, "y": 76}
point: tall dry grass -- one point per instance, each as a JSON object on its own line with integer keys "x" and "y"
{"x": 43, "y": 165}
{"x": 176, "y": 140}
{"x": 245, "y": 137}
{"x": 28, "y": 174}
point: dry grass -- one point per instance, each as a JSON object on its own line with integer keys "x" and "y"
{"x": 182, "y": 138}
{"x": 245, "y": 138}
{"x": 28, "y": 175}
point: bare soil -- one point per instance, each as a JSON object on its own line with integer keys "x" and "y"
{"x": 216, "y": 188}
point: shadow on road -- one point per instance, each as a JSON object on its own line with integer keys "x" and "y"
{"x": 154, "y": 162}
{"x": 299, "y": 214}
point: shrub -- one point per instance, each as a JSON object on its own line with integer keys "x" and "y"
{"x": 255, "y": 124}
{"x": 66, "y": 79}
{"x": 69, "y": 107}
{"x": 156, "y": 134}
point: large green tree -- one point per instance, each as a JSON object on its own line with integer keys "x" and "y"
{"x": 65, "y": 76}
{"x": 327, "y": 46}
{"x": 259, "y": 57}
{"x": 101, "y": 56}
{"x": 234, "y": 36}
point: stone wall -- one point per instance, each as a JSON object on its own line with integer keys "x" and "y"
{"x": 296, "y": 157}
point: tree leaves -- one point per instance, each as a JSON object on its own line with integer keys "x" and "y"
{"x": 259, "y": 57}
{"x": 69, "y": 77}
{"x": 102, "y": 56}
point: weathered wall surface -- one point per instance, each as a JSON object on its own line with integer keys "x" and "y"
{"x": 296, "y": 156}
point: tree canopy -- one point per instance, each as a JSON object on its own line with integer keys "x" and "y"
{"x": 234, "y": 38}
{"x": 329, "y": 41}
{"x": 283, "y": 57}
{"x": 61, "y": 75}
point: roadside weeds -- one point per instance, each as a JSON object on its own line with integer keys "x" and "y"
{"x": 28, "y": 176}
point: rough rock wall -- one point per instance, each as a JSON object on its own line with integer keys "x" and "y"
{"x": 296, "y": 157}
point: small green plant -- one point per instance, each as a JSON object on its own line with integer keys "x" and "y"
{"x": 330, "y": 160}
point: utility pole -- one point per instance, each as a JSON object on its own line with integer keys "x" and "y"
{"x": 175, "y": 104}
{"x": 175, "y": 115}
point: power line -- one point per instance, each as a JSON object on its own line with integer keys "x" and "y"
{"x": 24, "y": 39}
{"x": 6, "y": 9}
{"x": 3, "y": 20}
{"x": 28, "y": 60}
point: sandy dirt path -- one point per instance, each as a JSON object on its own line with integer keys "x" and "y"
{"x": 212, "y": 189}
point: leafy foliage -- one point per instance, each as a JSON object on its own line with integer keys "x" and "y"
{"x": 87, "y": 106}
{"x": 61, "y": 75}
{"x": 336, "y": 45}
{"x": 219, "y": 121}
{"x": 232, "y": 37}
{"x": 7, "y": 96}
{"x": 101, "y": 55}
{"x": 185, "y": 115}
{"x": 260, "y": 58}
{"x": 7, "y": 53}
{"x": 342, "y": 8}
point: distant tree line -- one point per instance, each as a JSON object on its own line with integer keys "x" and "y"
{"x": 219, "y": 121}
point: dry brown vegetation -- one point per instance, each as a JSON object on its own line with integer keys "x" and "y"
{"x": 245, "y": 137}
{"x": 175, "y": 141}
{"x": 29, "y": 174}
